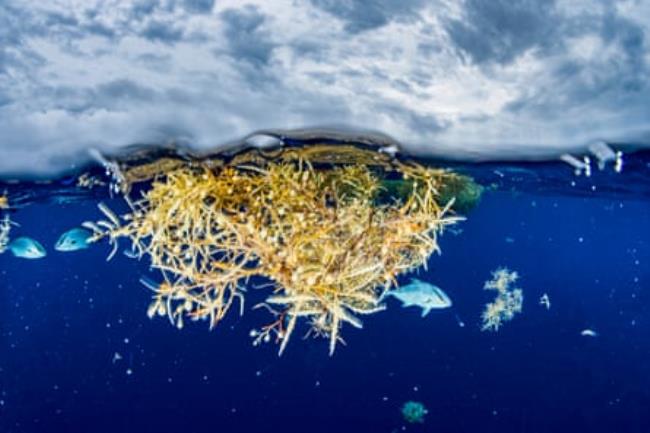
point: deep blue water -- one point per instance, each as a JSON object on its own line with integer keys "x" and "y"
{"x": 587, "y": 245}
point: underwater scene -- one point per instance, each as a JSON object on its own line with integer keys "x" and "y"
{"x": 327, "y": 283}
{"x": 324, "y": 216}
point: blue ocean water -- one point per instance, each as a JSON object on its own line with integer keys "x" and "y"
{"x": 78, "y": 354}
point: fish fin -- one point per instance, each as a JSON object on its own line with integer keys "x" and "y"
{"x": 415, "y": 280}
{"x": 425, "y": 311}
{"x": 442, "y": 297}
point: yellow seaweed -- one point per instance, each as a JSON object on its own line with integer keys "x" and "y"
{"x": 316, "y": 230}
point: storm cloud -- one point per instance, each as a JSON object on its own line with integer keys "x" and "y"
{"x": 466, "y": 79}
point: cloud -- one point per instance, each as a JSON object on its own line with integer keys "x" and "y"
{"x": 247, "y": 40}
{"x": 162, "y": 32}
{"x": 199, "y": 6}
{"x": 465, "y": 79}
{"x": 359, "y": 16}
{"x": 500, "y": 30}
{"x": 603, "y": 67}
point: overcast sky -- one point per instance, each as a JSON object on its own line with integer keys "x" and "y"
{"x": 479, "y": 77}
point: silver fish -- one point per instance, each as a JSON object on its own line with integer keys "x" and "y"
{"x": 27, "y": 248}
{"x": 421, "y": 294}
{"x": 73, "y": 240}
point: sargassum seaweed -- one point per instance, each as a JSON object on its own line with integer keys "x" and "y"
{"x": 508, "y": 302}
{"x": 328, "y": 247}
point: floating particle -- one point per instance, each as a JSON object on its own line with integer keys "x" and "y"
{"x": 589, "y": 333}
{"x": 545, "y": 301}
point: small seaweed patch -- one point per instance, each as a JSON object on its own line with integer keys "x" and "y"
{"x": 508, "y": 302}
{"x": 5, "y": 229}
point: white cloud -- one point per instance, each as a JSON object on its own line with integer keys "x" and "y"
{"x": 455, "y": 78}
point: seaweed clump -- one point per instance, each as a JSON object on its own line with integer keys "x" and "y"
{"x": 5, "y": 223}
{"x": 5, "y": 229}
{"x": 414, "y": 412}
{"x": 315, "y": 229}
{"x": 508, "y": 302}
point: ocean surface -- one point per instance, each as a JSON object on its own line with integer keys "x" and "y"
{"x": 78, "y": 353}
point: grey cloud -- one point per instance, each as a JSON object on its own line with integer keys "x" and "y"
{"x": 368, "y": 83}
{"x": 99, "y": 29}
{"x": 113, "y": 95}
{"x": 5, "y": 99}
{"x": 155, "y": 62}
{"x": 360, "y": 15}
{"x": 58, "y": 18}
{"x": 500, "y": 30}
{"x": 425, "y": 124}
{"x": 247, "y": 40}
{"x": 155, "y": 20}
{"x": 19, "y": 63}
{"x": 315, "y": 50}
{"x": 71, "y": 99}
{"x": 198, "y": 6}
{"x": 12, "y": 23}
{"x": 323, "y": 78}
{"x": 162, "y": 32}
{"x": 125, "y": 90}
{"x": 427, "y": 49}
{"x": 618, "y": 82}
{"x": 318, "y": 108}
{"x": 144, "y": 8}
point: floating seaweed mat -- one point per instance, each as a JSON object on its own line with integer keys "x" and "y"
{"x": 330, "y": 226}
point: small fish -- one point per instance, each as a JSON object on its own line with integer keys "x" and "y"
{"x": 589, "y": 333}
{"x": 421, "y": 294}
{"x": 27, "y": 248}
{"x": 73, "y": 240}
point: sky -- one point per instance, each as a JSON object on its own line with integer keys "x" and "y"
{"x": 467, "y": 79}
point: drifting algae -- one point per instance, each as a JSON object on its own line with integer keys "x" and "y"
{"x": 508, "y": 302}
{"x": 316, "y": 221}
